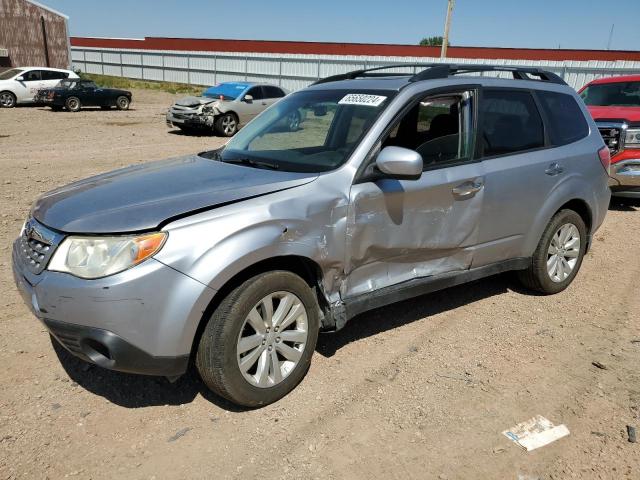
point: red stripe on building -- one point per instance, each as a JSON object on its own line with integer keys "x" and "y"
{"x": 328, "y": 48}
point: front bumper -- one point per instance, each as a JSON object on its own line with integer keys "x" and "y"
{"x": 191, "y": 120}
{"x": 142, "y": 320}
{"x": 625, "y": 177}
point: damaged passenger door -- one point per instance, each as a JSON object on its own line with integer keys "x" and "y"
{"x": 401, "y": 229}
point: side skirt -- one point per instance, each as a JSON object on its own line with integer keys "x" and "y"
{"x": 419, "y": 286}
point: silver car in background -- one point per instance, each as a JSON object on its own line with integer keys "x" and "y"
{"x": 391, "y": 187}
{"x": 225, "y": 108}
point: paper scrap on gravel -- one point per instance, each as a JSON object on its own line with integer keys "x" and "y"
{"x": 535, "y": 433}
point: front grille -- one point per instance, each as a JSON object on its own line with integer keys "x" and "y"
{"x": 37, "y": 245}
{"x": 612, "y": 136}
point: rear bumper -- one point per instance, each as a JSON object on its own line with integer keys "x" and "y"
{"x": 108, "y": 350}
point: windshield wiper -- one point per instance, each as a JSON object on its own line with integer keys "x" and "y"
{"x": 253, "y": 163}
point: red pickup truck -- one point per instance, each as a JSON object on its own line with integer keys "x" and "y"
{"x": 614, "y": 104}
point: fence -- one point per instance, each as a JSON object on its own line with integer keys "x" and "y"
{"x": 293, "y": 71}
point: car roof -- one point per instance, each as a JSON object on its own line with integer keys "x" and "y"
{"x": 45, "y": 68}
{"x": 397, "y": 83}
{"x": 620, "y": 79}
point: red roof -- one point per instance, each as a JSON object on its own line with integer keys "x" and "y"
{"x": 621, "y": 78}
{"x": 330, "y": 48}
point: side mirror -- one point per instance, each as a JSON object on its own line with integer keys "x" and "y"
{"x": 400, "y": 163}
{"x": 248, "y": 99}
{"x": 19, "y": 78}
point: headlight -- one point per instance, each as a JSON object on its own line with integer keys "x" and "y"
{"x": 95, "y": 257}
{"x": 632, "y": 139}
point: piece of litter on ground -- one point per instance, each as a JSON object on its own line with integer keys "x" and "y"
{"x": 599, "y": 365}
{"x": 180, "y": 433}
{"x": 535, "y": 433}
{"x": 631, "y": 433}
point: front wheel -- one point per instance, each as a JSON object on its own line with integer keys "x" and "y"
{"x": 559, "y": 254}
{"x": 227, "y": 125}
{"x": 7, "y": 100}
{"x": 122, "y": 103}
{"x": 257, "y": 345}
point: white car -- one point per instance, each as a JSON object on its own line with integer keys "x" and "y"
{"x": 21, "y": 85}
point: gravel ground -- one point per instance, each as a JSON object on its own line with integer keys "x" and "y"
{"x": 421, "y": 389}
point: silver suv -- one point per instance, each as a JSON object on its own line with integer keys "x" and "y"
{"x": 392, "y": 186}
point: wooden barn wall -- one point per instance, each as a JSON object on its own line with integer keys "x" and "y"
{"x": 21, "y": 34}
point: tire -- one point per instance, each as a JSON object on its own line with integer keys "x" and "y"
{"x": 226, "y": 125}
{"x": 7, "y": 100}
{"x": 73, "y": 104}
{"x": 293, "y": 121}
{"x": 122, "y": 103}
{"x": 229, "y": 329}
{"x": 564, "y": 228}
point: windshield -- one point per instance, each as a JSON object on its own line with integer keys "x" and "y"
{"x": 620, "y": 94}
{"x": 10, "y": 73}
{"x": 229, "y": 91}
{"x": 308, "y": 131}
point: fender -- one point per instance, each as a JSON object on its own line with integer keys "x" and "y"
{"x": 572, "y": 187}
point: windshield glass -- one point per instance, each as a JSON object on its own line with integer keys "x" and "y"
{"x": 10, "y": 73}
{"x": 229, "y": 91}
{"x": 620, "y": 94}
{"x": 308, "y": 131}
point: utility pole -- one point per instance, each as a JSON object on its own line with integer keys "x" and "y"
{"x": 447, "y": 24}
{"x": 610, "y": 36}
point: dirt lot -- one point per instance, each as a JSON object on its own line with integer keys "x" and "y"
{"x": 420, "y": 390}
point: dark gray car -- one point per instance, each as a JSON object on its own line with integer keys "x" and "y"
{"x": 392, "y": 186}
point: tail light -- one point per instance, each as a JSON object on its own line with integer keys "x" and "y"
{"x": 605, "y": 158}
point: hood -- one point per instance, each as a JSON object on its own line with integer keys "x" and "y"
{"x": 630, "y": 114}
{"x": 145, "y": 196}
{"x": 195, "y": 101}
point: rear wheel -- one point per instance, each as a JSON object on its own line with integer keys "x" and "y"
{"x": 7, "y": 100}
{"x": 122, "y": 103}
{"x": 226, "y": 125}
{"x": 558, "y": 257}
{"x": 257, "y": 345}
{"x": 73, "y": 104}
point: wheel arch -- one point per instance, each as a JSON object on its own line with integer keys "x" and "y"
{"x": 306, "y": 268}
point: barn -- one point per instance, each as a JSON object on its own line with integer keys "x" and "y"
{"x": 32, "y": 34}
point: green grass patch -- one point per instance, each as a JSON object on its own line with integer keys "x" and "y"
{"x": 130, "y": 83}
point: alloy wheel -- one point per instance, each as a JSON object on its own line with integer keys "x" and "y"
{"x": 229, "y": 124}
{"x": 563, "y": 252}
{"x": 272, "y": 339}
{"x": 6, "y": 100}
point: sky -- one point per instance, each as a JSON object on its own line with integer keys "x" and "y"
{"x": 584, "y": 24}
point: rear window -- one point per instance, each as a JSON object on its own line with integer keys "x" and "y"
{"x": 510, "y": 122}
{"x": 53, "y": 75}
{"x": 566, "y": 120}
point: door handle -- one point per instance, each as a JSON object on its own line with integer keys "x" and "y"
{"x": 554, "y": 169}
{"x": 467, "y": 189}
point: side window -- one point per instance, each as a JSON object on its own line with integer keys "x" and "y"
{"x": 256, "y": 93}
{"x": 566, "y": 120}
{"x": 510, "y": 122}
{"x": 32, "y": 76}
{"x": 51, "y": 75}
{"x": 273, "y": 92}
{"x": 438, "y": 127}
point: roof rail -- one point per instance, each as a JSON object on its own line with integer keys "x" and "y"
{"x": 444, "y": 70}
